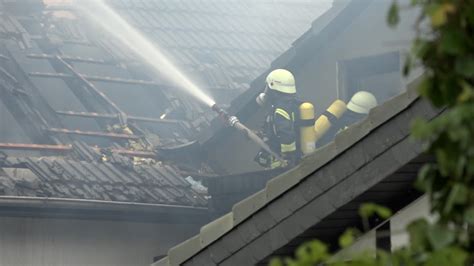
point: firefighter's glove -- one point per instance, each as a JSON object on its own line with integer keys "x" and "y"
{"x": 284, "y": 163}
{"x": 263, "y": 159}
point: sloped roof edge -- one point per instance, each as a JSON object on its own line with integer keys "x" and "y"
{"x": 98, "y": 209}
{"x": 284, "y": 182}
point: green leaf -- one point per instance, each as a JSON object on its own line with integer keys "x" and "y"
{"x": 420, "y": 129}
{"x": 393, "y": 16}
{"x": 348, "y": 237}
{"x": 312, "y": 252}
{"x": 467, "y": 92}
{"x": 469, "y": 216}
{"x": 458, "y": 195}
{"x": 368, "y": 209}
{"x": 452, "y": 256}
{"x": 453, "y": 42}
{"x": 417, "y": 232}
{"x": 440, "y": 236}
{"x": 276, "y": 262}
{"x": 424, "y": 182}
{"x": 291, "y": 262}
{"x": 465, "y": 66}
{"x": 439, "y": 14}
{"x": 470, "y": 14}
{"x": 420, "y": 47}
{"x": 383, "y": 212}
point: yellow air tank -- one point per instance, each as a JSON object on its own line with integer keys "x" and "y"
{"x": 324, "y": 122}
{"x": 307, "y": 134}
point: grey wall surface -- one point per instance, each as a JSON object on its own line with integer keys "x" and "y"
{"x": 419, "y": 209}
{"x": 368, "y": 35}
{"x": 66, "y": 242}
{"x": 317, "y": 80}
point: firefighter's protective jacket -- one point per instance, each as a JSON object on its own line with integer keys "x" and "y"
{"x": 280, "y": 129}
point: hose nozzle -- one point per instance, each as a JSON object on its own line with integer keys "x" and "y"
{"x": 233, "y": 120}
{"x": 229, "y": 120}
{"x": 222, "y": 114}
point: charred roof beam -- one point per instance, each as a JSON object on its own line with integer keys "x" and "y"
{"x": 95, "y": 78}
{"x": 72, "y": 59}
{"x": 93, "y": 89}
{"x": 40, "y": 147}
{"x": 69, "y": 148}
{"x": 92, "y": 133}
{"x": 111, "y": 116}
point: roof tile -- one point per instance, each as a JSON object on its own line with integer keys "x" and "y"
{"x": 215, "y": 229}
{"x": 183, "y": 251}
{"x": 247, "y": 206}
{"x": 163, "y": 262}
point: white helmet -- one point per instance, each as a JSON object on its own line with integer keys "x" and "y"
{"x": 281, "y": 80}
{"x": 362, "y": 102}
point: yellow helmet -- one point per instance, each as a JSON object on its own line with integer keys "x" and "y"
{"x": 281, "y": 80}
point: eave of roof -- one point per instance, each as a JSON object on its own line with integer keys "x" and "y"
{"x": 99, "y": 209}
{"x": 204, "y": 248}
{"x": 116, "y": 181}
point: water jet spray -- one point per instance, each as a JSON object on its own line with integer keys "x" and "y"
{"x": 115, "y": 25}
{"x": 107, "y": 18}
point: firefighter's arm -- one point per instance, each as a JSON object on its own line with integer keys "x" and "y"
{"x": 285, "y": 131}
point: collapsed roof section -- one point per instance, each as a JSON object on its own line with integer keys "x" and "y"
{"x": 79, "y": 122}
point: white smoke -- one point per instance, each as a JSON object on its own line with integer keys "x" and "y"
{"x": 109, "y": 20}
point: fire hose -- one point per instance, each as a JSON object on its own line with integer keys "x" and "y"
{"x": 234, "y": 122}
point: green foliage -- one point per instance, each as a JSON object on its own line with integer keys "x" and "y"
{"x": 309, "y": 254}
{"x": 393, "y": 16}
{"x": 348, "y": 237}
{"x": 444, "y": 45}
{"x": 369, "y": 209}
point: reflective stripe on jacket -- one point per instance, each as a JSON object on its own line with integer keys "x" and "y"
{"x": 284, "y": 130}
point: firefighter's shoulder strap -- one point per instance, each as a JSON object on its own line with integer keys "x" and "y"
{"x": 284, "y": 113}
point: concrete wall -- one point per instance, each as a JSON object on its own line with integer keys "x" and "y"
{"x": 59, "y": 242}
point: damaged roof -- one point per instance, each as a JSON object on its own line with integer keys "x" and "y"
{"x": 117, "y": 179}
{"x": 81, "y": 116}
{"x": 374, "y": 156}
{"x": 69, "y": 126}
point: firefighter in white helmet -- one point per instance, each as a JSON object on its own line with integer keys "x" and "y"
{"x": 357, "y": 109}
{"x": 279, "y": 128}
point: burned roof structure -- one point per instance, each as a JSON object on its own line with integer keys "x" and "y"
{"x": 84, "y": 119}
